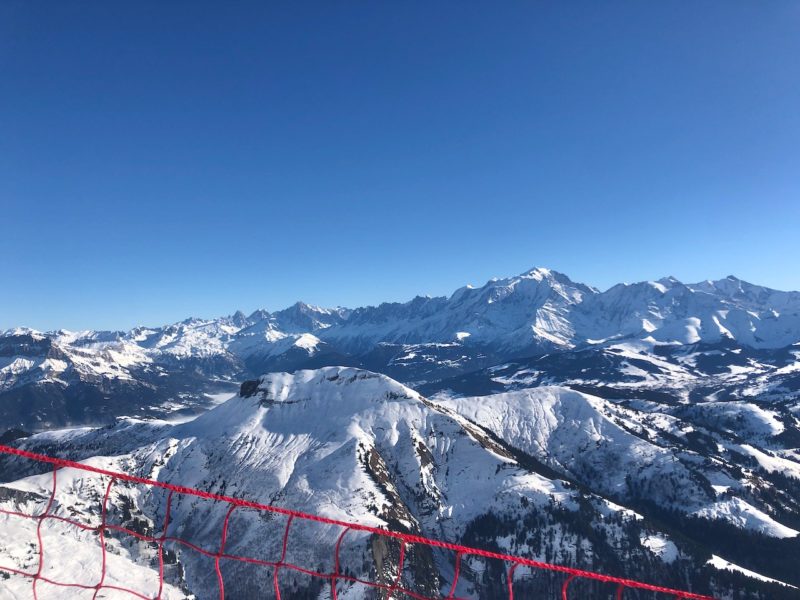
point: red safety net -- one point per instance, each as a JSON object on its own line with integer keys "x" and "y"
{"x": 393, "y": 589}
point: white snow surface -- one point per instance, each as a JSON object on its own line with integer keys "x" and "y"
{"x": 662, "y": 547}
{"x": 360, "y": 447}
{"x": 599, "y": 442}
{"x": 743, "y": 514}
{"x": 318, "y": 442}
{"x": 720, "y": 563}
{"x": 72, "y": 554}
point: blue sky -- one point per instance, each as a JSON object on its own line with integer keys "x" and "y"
{"x": 160, "y": 160}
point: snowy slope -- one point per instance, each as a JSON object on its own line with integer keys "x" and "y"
{"x": 624, "y": 453}
{"x": 358, "y": 446}
{"x": 72, "y": 554}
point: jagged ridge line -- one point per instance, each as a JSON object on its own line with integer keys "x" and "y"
{"x": 459, "y": 549}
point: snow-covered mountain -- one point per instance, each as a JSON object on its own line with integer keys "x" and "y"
{"x": 550, "y": 473}
{"x": 61, "y": 378}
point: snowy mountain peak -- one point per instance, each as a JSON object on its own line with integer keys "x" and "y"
{"x": 669, "y": 282}
{"x": 33, "y": 333}
{"x": 238, "y": 318}
{"x": 538, "y": 273}
{"x": 326, "y": 384}
{"x": 536, "y": 284}
{"x": 669, "y": 279}
{"x": 302, "y": 317}
{"x": 258, "y": 315}
{"x": 552, "y": 277}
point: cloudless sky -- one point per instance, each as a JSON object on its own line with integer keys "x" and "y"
{"x": 160, "y": 160}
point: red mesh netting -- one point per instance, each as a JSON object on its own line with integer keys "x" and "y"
{"x": 280, "y": 564}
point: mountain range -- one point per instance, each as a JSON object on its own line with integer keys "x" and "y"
{"x": 649, "y": 431}
{"x": 659, "y": 330}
